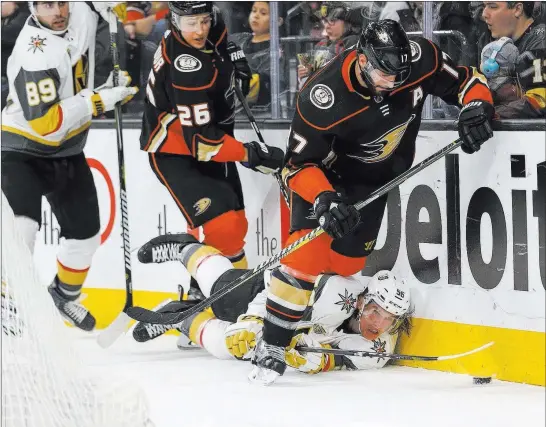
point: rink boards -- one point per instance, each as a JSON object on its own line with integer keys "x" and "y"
{"x": 467, "y": 234}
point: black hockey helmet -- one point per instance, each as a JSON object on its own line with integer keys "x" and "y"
{"x": 188, "y": 8}
{"x": 388, "y": 50}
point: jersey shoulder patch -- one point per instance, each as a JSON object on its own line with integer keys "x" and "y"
{"x": 325, "y": 100}
{"x": 190, "y": 68}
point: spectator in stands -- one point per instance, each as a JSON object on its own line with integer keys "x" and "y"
{"x": 456, "y": 15}
{"x": 341, "y": 30}
{"x": 14, "y": 15}
{"x": 497, "y": 63}
{"x": 408, "y": 13}
{"x": 256, "y": 48}
{"x": 145, "y": 24}
{"x": 146, "y": 20}
{"x": 519, "y": 91}
{"x": 514, "y": 20}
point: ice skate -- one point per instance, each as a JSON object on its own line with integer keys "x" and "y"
{"x": 269, "y": 364}
{"x": 146, "y": 331}
{"x": 75, "y": 313}
{"x": 164, "y": 248}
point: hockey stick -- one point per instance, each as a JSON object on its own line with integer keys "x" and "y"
{"x": 121, "y": 323}
{"x": 371, "y": 354}
{"x": 144, "y": 315}
{"x": 254, "y": 125}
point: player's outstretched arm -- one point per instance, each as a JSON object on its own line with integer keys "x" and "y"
{"x": 464, "y": 86}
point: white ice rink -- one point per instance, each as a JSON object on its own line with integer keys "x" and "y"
{"x": 191, "y": 388}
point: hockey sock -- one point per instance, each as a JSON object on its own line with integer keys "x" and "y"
{"x": 239, "y": 261}
{"x": 287, "y": 300}
{"x": 194, "y": 326}
{"x": 205, "y": 264}
{"x": 69, "y": 281}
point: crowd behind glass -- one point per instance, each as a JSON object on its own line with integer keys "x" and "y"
{"x": 308, "y": 34}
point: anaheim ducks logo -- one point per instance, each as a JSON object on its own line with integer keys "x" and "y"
{"x": 201, "y": 205}
{"x": 382, "y": 148}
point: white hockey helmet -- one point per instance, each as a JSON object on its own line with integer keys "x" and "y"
{"x": 34, "y": 13}
{"x": 389, "y": 293}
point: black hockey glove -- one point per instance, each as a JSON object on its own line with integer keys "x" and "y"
{"x": 334, "y": 216}
{"x": 475, "y": 125}
{"x": 263, "y": 158}
{"x": 242, "y": 70}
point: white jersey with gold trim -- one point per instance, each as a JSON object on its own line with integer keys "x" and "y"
{"x": 333, "y": 305}
{"x": 43, "y": 116}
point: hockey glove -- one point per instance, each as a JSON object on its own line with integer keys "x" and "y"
{"x": 119, "y": 8}
{"x": 310, "y": 363}
{"x": 334, "y": 216}
{"x": 124, "y": 79}
{"x": 106, "y": 99}
{"x": 242, "y": 69}
{"x": 475, "y": 125}
{"x": 241, "y": 337}
{"x": 263, "y": 158}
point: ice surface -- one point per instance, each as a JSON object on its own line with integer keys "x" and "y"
{"x": 191, "y": 388}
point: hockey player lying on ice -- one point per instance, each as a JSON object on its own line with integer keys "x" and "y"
{"x": 344, "y": 313}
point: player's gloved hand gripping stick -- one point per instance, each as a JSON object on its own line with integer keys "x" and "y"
{"x": 147, "y": 316}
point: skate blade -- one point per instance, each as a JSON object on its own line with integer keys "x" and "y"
{"x": 262, "y": 376}
{"x": 184, "y": 343}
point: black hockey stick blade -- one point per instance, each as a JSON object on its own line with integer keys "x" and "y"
{"x": 143, "y": 315}
{"x": 372, "y": 354}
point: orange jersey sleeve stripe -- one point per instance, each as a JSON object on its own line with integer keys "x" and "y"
{"x": 231, "y": 151}
{"x": 309, "y": 182}
{"x": 478, "y": 91}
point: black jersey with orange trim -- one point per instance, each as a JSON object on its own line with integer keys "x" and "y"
{"x": 347, "y": 133}
{"x": 190, "y": 104}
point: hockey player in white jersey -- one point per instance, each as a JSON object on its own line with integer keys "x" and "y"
{"x": 344, "y": 313}
{"x": 44, "y": 130}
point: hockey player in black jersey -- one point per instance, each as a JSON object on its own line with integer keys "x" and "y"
{"x": 355, "y": 128}
{"x": 187, "y": 127}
